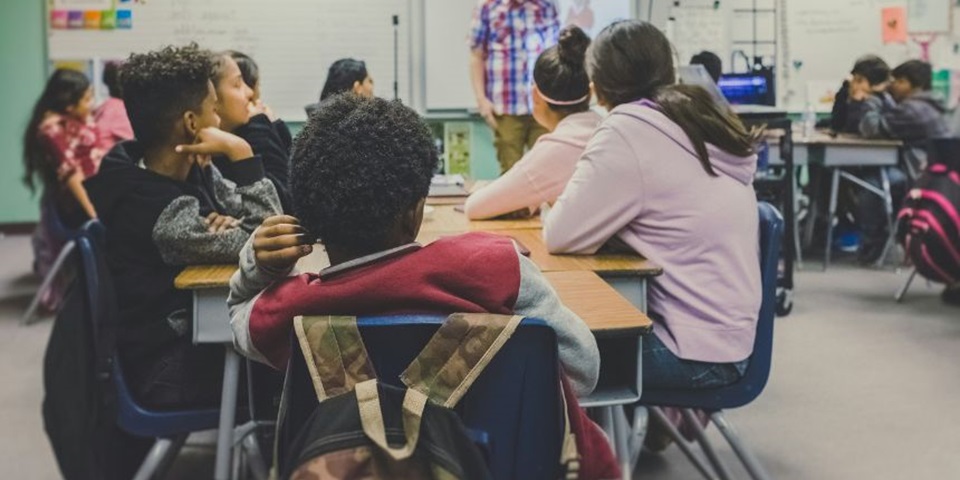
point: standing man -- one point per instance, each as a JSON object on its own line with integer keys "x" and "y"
{"x": 506, "y": 38}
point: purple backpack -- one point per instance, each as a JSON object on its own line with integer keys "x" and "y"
{"x": 928, "y": 225}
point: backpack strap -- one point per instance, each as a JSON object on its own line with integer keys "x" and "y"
{"x": 368, "y": 401}
{"x": 334, "y": 353}
{"x": 456, "y": 355}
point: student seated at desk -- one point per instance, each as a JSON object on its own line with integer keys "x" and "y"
{"x": 561, "y": 104}
{"x": 912, "y": 113}
{"x": 345, "y": 75}
{"x": 670, "y": 175}
{"x": 166, "y": 206}
{"x": 250, "y": 72}
{"x": 361, "y": 174}
{"x": 870, "y": 77}
{"x": 242, "y": 114}
{"x": 111, "y": 115}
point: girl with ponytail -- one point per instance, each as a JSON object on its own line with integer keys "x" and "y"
{"x": 561, "y": 104}
{"x": 669, "y": 174}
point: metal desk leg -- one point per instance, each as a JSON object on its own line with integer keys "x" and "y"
{"x": 888, "y": 207}
{"x": 834, "y": 187}
{"x": 228, "y": 412}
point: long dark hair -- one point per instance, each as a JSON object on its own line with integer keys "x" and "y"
{"x": 64, "y": 89}
{"x": 560, "y": 73}
{"x": 342, "y": 75}
{"x": 632, "y": 60}
{"x": 249, "y": 69}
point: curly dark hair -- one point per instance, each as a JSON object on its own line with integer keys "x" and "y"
{"x": 358, "y": 165}
{"x": 159, "y": 86}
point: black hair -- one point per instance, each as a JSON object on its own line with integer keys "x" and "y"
{"x": 159, "y": 86}
{"x": 248, "y": 68}
{"x": 64, "y": 89}
{"x": 111, "y": 78}
{"x": 632, "y": 60}
{"x": 873, "y": 68}
{"x": 358, "y": 165}
{"x": 342, "y": 75}
{"x": 917, "y": 72}
{"x": 711, "y": 62}
{"x": 560, "y": 73}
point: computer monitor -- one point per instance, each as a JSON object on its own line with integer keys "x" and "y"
{"x": 747, "y": 88}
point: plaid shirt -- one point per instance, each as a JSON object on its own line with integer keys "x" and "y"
{"x": 511, "y": 34}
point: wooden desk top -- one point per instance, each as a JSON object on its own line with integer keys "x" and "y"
{"x": 821, "y": 137}
{"x": 532, "y": 239}
{"x": 446, "y": 219}
{"x": 597, "y": 303}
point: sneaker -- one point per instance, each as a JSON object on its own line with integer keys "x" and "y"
{"x": 951, "y": 295}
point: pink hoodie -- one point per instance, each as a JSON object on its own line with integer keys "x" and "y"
{"x": 541, "y": 174}
{"x": 640, "y": 180}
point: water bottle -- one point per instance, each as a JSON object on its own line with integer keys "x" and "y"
{"x": 809, "y": 120}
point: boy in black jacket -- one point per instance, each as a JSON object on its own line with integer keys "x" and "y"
{"x": 165, "y": 206}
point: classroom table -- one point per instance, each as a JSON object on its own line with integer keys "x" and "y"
{"x": 837, "y": 154}
{"x": 450, "y": 219}
{"x": 617, "y": 325}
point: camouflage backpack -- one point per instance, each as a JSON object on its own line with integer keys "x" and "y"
{"x": 364, "y": 429}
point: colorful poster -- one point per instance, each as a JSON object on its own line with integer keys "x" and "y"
{"x": 91, "y": 20}
{"x": 894, "y": 25}
{"x": 75, "y": 19}
{"x": 108, "y": 20}
{"x": 58, "y": 19}
{"x": 457, "y": 147}
{"x": 124, "y": 19}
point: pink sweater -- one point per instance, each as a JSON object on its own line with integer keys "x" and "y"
{"x": 639, "y": 180}
{"x": 111, "y": 118}
{"x": 541, "y": 174}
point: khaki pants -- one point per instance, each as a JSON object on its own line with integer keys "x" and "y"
{"x": 515, "y": 134}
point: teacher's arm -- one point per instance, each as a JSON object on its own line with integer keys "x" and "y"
{"x": 478, "y": 78}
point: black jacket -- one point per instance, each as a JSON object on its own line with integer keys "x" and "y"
{"x": 272, "y": 141}
{"x": 155, "y": 226}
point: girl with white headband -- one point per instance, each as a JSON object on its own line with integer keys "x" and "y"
{"x": 561, "y": 103}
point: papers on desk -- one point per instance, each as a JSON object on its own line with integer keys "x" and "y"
{"x": 448, "y": 186}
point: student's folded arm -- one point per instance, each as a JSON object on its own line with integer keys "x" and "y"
{"x": 604, "y": 195}
{"x": 577, "y": 345}
{"x": 183, "y": 238}
{"x": 873, "y": 123}
{"x": 246, "y": 286}
{"x": 251, "y": 197}
{"x": 513, "y": 191}
{"x": 266, "y": 141}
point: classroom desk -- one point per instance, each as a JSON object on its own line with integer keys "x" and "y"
{"x": 837, "y": 154}
{"x": 446, "y": 218}
{"x": 617, "y": 325}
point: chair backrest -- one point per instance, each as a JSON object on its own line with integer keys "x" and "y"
{"x": 754, "y": 379}
{"x": 102, "y": 313}
{"x": 513, "y": 411}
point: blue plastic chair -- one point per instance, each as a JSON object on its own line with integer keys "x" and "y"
{"x": 748, "y": 388}
{"x": 513, "y": 411}
{"x": 170, "y": 428}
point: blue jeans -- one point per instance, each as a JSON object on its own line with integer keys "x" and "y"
{"x": 663, "y": 369}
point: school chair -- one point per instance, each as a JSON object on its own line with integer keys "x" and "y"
{"x": 60, "y": 232}
{"x": 744, "y": 391}
{"x": 170, "y": 428}
{"x": 513, "y": 411}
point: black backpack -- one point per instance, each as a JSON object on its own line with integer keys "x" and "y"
{"x": 928, "y": 224}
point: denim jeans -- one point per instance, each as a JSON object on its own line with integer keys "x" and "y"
{"x": 663, "y": 369}
{"x": 871, "y": 213}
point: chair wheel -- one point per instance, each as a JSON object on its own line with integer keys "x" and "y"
{"x": 784, "y": 302}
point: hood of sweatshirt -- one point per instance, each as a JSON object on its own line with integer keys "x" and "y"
{"x": 934, "y": 99}
{"x": 739, "y": 168}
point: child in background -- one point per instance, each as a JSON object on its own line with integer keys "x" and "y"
{"x": 345, "y": 75}
{"x": 561, "y": 104}
{"x": 250, "y": 72}
{"x": 111, "y": 115}
{"x": 62, "y": 147}
{"x": 165, "y": 206}
{"x": 869, "y": 77}
{"x": 912, "y": 113}
{"x": 711, "y": 63}
{"x": 242, "y": 114}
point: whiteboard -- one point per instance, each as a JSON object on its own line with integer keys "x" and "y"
{"x": 447, "y": 56}
{"x": 293, "y": 41}
{"x": 929, "y": 16}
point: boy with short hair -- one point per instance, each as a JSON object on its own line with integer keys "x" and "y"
{"x": 164, "y": 207}
{"x": 912, "y": 113}
{"x": 360, "y": 177}
{"x": 869, "y": 77}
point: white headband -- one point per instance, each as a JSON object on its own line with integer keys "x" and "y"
{"x": 562, "y": 102}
